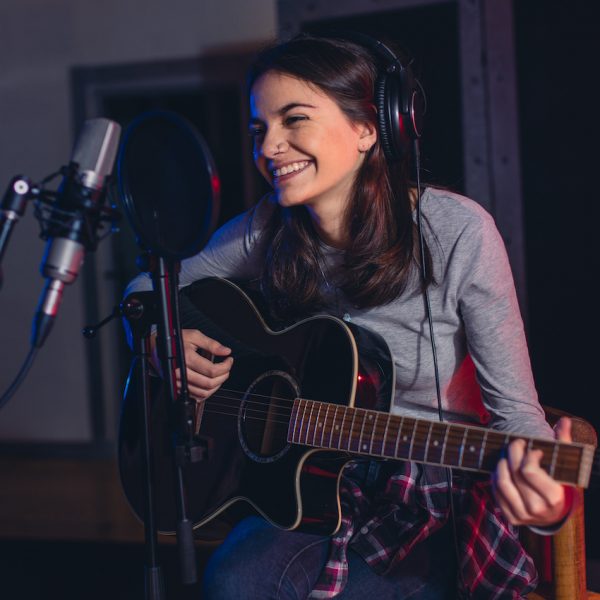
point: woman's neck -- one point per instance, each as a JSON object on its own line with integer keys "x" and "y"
{"x": 330, "y": 225}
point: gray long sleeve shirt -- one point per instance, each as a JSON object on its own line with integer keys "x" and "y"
{"x": 473, "y": 303}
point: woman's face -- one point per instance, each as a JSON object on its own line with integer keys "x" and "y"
{"x": 304, "y": 146}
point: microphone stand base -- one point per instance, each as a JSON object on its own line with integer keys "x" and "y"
{"x": 154, "y": 583}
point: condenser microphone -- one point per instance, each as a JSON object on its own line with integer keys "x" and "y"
{"x": 72, "y": 226}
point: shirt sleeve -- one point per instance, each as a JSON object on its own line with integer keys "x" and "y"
{"x": 495, "y": 334}
{"x": 233, "y": 252}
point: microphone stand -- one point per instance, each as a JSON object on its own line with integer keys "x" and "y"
{"x": 12, "y": 208}
{"x": 141, "y": 313}
{"x": 143, "y": 310}
{"x": 165, "y": 277}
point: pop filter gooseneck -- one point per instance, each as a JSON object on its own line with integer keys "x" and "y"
{"x": 169, "y": 188}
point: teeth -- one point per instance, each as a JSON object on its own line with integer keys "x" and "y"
{"x": 297, "y": 166}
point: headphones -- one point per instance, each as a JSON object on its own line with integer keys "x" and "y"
{"x": 398, "y": 97}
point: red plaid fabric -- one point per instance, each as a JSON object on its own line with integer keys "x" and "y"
{"x": 385, "y": 525}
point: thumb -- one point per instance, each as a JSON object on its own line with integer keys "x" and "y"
{"x": 562, "y": 430}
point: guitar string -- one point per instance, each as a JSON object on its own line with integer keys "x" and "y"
{"x": 255, "y": 395}
{"x": 375, "y": 438}
{"x": 239, "y": 396}
{"x": 458, "y": 431}
{"x": 569, "y": 460}
{"x": 455, "y": 430}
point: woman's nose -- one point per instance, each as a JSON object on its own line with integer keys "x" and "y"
{"x": 273, "y": 143}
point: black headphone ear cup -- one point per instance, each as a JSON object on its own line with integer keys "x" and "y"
{"x": 394, "y": 130}
{"x": 382, "y": 118}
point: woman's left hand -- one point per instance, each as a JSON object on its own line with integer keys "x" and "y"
{"x": 526, "y": 494}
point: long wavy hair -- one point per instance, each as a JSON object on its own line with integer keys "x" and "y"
{"x": 383, "y": 248}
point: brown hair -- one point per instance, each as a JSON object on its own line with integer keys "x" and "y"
{"x": 383, "y": 244}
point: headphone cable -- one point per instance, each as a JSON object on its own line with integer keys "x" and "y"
{"x": 448, "y": 471}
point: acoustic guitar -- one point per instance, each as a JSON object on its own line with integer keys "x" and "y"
{"x": 300, "y": 403}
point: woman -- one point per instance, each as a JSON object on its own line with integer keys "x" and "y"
{"x": 338, "y": 236}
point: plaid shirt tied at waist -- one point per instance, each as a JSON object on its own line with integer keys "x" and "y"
{"x": 412, "y": 503}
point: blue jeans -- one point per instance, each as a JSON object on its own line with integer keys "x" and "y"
{"x": 258, "y": 561}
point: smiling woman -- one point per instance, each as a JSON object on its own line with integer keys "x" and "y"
{"x": 338, "y": 236}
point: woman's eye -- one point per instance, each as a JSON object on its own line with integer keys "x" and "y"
{"x": 255, "y": 131}
{"x": 294, "y": 119}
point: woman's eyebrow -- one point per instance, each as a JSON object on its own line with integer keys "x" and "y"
{"x": 292, "y": 105}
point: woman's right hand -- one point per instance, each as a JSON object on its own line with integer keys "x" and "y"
{"x": 204, "y": 376}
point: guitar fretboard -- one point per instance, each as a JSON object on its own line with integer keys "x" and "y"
{"x": 382, "y": 435}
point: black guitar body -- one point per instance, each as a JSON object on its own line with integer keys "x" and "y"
{"x": 250, "y": 462}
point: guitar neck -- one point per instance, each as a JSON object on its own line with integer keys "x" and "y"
{"x": 382, "y": 435}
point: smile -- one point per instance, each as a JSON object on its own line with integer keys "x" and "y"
{"x": 292, "y": 168}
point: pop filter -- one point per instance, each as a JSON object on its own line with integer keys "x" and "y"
{"x": 168, "y": 185}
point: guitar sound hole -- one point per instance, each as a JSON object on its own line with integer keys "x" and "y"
{"x": 264, "y": 416}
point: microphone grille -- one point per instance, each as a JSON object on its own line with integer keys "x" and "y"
{"x": 96, "y": 150}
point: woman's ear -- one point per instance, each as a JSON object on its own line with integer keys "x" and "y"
{"x": 367, "y": 136}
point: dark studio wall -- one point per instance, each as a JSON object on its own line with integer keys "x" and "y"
{"x": 557, "y": 46}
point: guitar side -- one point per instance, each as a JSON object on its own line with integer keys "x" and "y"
{"x": 245, "y": 425}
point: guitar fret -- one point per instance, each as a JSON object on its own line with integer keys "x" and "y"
{"x": 398, "y": 435}
{"x": 481, "y": 449}
{"x": 294, "y": 418}
{"x": 350, "y": 430}
{"x": 554, "y": 457}
{"x": 309, "y": 424}
{"x": 393, "y": 434}
{"x": 420, "y": 435}
{"x": 434, "y": 447}
{"x": 452, "y": 450}
{"x": 495, "y": 448}
{"x": 442, "y": 461}
{"x": 354, "y": 445}
{"x": 382, "y": 425}
{"x": 324, "y": 425}
{"x": 362, "y": 431}
{"x": 569, "y": 458}
{"x": 367, "y": 417}
{"x": 302, "y": 422}
{"x": 359, "y": 445}
{"x": 373, "y": 434}
{"x": 342, "y": 428}
{"x": 472, "y": 451}
{"x": 304, "y": 429}
{"x": 412, "y": 439}
{"x": 427, "y": 441}
{"x": 462, "y": 448}
{"x": 385, "y": 433}
{"x": 334, "y": 424}
{"x": 316, "y": 425}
